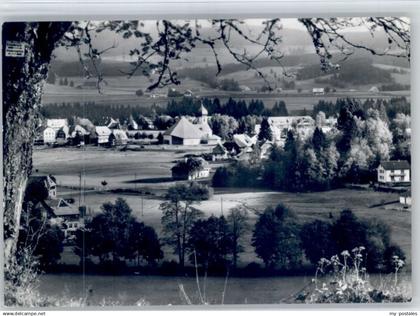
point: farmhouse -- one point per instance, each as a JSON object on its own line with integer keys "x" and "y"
{"x": 219, "y": 153}
{"x": 49, "y": 135}
{"x": 102, "y": 133}
{"x": 279, "y": 125}
{"x": 118, "y": 137}
{"x": 318, "y": 91}
{"x": 68, "y": 216}
{"x": 244, "y": 141}
{"x": 396, "y": 171}
{"x": 191, "y": 169}
{"x": 56, "y": 129}
{"x": 374, "y": 89}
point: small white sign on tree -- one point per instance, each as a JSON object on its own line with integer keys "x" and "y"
{"x": 15, "y": 49}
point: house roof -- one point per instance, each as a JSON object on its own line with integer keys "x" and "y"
{"x": 120, "y": 134}
{"x": 78, "y": 129}
{"x": 219, "y": 149}
{"x": 47, "y": 181}
{"x": 243, "y": 140}
{"x": 395, "y": 165}
{"x": 57, "y": 123}
{"x": 184, "y": 129}
{"x": 63, "y": 208}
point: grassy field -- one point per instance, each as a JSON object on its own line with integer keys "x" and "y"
{"x": 119, "y": 168}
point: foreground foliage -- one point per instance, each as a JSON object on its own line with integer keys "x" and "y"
{"x": 346, "y": 281}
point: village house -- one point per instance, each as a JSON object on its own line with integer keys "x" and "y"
{"x": 394, "y": 172}
{"x": 68, "y": 216}
{"x": 79, "y": 135}
{"x": 191, "y": 169}
{"x": 118, "y": 137}
{"x": 57, "y": 129}
{"x": 219, "y": 152}
{"x": 48, "y": 182}
{"x": 113, "y": 124}
{"x": 232, "y": 148}
{"x": 279, "y": 125}
{"x": 132, "y": 124}
{"x": 102, "y": 133}
{"x": 49, "y": 135}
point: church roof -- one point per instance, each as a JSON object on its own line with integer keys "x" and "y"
{"x": 184, "y": 129}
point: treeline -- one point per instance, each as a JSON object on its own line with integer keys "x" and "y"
{"x": 116, "y": 240}
{"x": 99, "y": 114}
{"x": 391, "y": 107}
{"x": 354, "y": 70}
{"x": 350, "y": 153}
{"x": 232, "y": 107}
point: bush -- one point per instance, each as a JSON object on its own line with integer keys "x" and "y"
{"x": 346, "y": 281}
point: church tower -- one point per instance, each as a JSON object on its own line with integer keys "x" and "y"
{"x": 204, "y": 115}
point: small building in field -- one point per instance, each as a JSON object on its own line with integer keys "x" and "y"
{"x": 374, "y": 89}
{"x": 318, "y": 91}
{"x": 394, "y": 172}
{"x": 191, "y": 169}
{"x": 405, "y": 198}
{"x": 102, "y": 134}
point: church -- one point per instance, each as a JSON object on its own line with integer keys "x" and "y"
{"x": 191, "y": 132}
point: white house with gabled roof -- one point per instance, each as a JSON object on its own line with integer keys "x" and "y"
{"x": 394, "y": 171}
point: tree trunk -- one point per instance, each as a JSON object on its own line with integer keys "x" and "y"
{"x": 23, "y": 79}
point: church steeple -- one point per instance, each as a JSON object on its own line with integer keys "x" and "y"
{"x": 204, "y": 114}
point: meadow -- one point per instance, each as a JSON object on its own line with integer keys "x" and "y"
{"x": 120, "y": 168}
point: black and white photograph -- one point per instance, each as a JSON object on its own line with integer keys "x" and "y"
{"x": 175, "y": 162}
